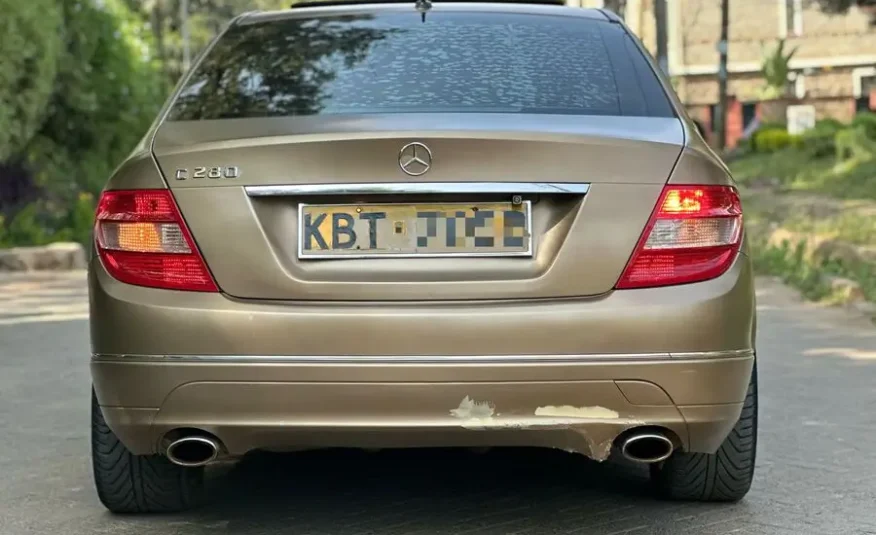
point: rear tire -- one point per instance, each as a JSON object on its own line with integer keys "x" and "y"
{"x": 724, "y": 476}
{"x": 128, "y": 483}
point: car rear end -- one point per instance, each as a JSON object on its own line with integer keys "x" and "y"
{"x": 458, "y": 225}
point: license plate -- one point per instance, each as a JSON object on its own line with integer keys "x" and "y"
{"x": 414, "y": 230}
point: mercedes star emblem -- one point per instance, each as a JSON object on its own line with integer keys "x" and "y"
{"x": 415, "y": 159}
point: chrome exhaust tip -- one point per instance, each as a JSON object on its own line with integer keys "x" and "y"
{"x": 192, "y": 451}
{"x": 647, "y": 448}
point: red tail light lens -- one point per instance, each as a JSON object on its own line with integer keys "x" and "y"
{"x": 693, "y": 235}
{"x": 143, "y": 240}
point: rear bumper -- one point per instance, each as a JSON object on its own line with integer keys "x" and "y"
{"x": 577, "y": 405}
{"x": 566, "y": 373}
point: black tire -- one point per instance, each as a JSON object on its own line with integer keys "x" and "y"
{"x": 724, "y": 476}
{"x": 128, "y": 483}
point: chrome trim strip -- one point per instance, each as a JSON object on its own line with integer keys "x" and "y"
{"x": 426, "y": 359}
{"x": 324, "y": 256}
{"x": 412, "y": 188}
{"x": 730, "y": 353}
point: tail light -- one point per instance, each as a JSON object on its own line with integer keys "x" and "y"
{"x": 693, "y": 235}
{"x": 143, "y": 240}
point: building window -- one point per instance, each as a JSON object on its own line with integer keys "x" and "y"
{"x": 796, "y": 86}
{"x": 864, "y": 88}
{"x": 790, "y": 18}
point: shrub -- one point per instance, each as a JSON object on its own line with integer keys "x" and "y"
{"x": 773, "y": 139}
{"x": 750, "y": 141}
{"x": 80, "y": 219}
{"x": 829, "y": 124}
{"x": 30, "y": 226}
{"x": 854, "y": 144}
{"x": 44, "y": 222}
{"x": 867, "y": 122}
{"x": 821, "y": 140}
{"x": 30, "y": 40}
{"x": 768, "y": 125}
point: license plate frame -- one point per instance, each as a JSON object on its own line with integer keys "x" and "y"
{"x": 303, "y": 254}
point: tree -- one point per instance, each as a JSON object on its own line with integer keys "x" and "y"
{"x": 775, "y": 68}
{"x": 106, "y": 94}
{"x": 843, "y": 6}
{"x": 206, "y": 18}
{"x": 30, "y": 40}
{"x": 78, "y": 88}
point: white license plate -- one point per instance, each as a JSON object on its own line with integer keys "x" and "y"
{"x": 414, "y": 230}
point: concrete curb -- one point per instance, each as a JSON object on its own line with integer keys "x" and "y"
{"x": 60, "y": 256}
{"x": 817, "y": 249}
{"x": 823, "y": 247}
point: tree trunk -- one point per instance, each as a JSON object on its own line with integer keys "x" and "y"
{"x": 721, "y": 123}
{"x": 662, "y": 38}
{"x": 17, "y": 188}
{"x": 156, "y": 20}
{"x": 618, "y": 6}
{"x": 184, "y": 31}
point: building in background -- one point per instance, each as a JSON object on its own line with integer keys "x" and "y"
{"x": 833, "y": 69}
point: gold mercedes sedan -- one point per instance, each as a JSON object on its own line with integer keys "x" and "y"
{"x": 399, "y": 224}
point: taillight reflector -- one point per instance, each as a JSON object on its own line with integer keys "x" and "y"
{"x": 693, "y": 235}
{"x": 143, "y": 240}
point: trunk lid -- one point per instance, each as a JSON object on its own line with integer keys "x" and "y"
{"x": 245, "y": 217}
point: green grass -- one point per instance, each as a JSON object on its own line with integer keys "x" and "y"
{"x": 809, "y": 195}
{"x": 863, "y": 275}
{"x": 795, "y": 170}
{"x": 783, "y": 165}
{"x": 849, "y": 226}
{"x": 789, "y": 264}
{"x": 852, "y": 221}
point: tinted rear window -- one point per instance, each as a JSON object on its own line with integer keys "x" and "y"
{"x": 396, "y": 63}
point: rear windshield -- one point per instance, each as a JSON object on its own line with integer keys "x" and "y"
{"x": 453, "y": 62}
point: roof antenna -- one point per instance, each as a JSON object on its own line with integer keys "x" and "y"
{"x": 423, "y": 6}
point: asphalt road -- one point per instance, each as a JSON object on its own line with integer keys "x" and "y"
{"x": 816, "y": 468}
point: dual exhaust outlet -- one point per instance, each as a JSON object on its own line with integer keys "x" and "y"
{"x": 193, "y": 450}
{"x": 646, "y": 447}
{"x": 201, "y": 449}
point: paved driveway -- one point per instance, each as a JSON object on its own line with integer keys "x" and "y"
{"x": 816, "y": 465}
